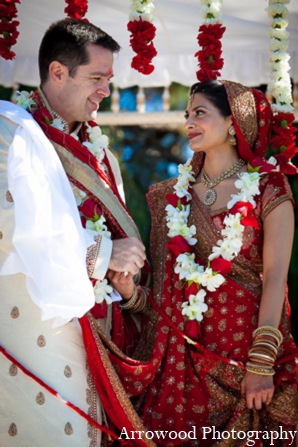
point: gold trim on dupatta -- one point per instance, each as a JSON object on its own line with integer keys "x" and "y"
{"x": 243, "y": 106}
{"x": 85, "y": 175}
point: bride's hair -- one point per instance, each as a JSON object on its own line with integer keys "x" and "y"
{"x": 215, "y": 92}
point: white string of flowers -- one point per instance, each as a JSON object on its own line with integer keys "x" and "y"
{"x": 280, "y": 82}
{"x": 97, "y": 142}
{"x": 143, "y": 9}
{"x": 228, "y": 247}
{"x": 211, "y": 11}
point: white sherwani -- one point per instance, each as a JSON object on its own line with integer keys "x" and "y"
{"x": 30, "y": 416}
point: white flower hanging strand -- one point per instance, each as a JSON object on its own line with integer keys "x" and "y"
{"x": 211, "y": 11}
{"x": 280, "y": 82}
{"x": 143, "y": 9}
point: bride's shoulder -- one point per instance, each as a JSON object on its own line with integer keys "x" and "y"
{"x": 165, "y": 187}
{"x": 274, "y": 178}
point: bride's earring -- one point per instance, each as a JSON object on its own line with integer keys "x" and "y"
{"x": 232, "y": 133}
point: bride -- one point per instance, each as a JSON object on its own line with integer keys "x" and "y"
{"x": 218, "y": 349}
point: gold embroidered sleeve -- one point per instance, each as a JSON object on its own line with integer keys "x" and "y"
{"x": 92, "y": 255}
{"x": 276, "y": 191}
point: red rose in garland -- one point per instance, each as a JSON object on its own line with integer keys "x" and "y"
{"x": 209, "y": 57}
{"x": 210, "y": 33}
{"x": 142, "y": 33}
{"x": 76, "y": 9}
{"x": 283, "y": 141}
{"x": 8, "y": 28}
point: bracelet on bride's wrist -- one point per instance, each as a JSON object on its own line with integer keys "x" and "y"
{"x": 141, "y": 303}
{"x": 131, "y": 301}
{"x": 268, "y": 331}
{"x": 263, "y": 350}
{"x": 259, "y": 369}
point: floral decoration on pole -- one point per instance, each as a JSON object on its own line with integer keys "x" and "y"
{"x": 283, "y": 140}
{"x": 8, "y": 28}
{"x": 76, "y": 9}
{"x": 142, "y": 33}
{"x": 210, "y": 33}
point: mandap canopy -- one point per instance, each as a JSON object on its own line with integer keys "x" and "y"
{"x": 245, "y": 42}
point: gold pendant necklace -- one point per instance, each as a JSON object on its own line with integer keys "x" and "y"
{"x": 210, "y": 195}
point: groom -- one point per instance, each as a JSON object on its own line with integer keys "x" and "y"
{"x": 63, "y": 224}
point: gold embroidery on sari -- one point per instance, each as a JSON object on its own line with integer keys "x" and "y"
{"x": 274, "y": 204}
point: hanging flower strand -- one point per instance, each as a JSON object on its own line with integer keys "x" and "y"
{"x": 8, "y": 28}
{"x": 210, "y": 33}
{"x": 283, "y": 141}
{"x": 142, "y": 33}
{"x": 76, "y": 9}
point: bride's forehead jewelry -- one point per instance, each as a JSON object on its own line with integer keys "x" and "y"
{"x": 190, "y": 100}
{"x": 192, "y": 94}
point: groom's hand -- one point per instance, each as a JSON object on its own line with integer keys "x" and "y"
{"x": 128, "y": 255}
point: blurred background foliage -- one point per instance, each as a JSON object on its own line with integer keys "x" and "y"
{"x": 149, "y": 155}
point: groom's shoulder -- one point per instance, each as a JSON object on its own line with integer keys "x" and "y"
{"x": 7, "y": 130}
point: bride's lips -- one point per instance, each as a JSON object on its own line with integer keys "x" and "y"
{"x": 193, "y": 135}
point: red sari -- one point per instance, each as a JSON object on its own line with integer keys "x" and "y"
{"x": 192, "y": 389}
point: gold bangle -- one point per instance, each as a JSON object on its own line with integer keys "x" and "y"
{"x": 141, "y": 302}
{"x": 261, "y": 358}
{"x": 270, "y": 331}
{"x": 265, "y": 344}
{"x": 132, "y": 300}
{"x": 263, "y": 352}
{"x": 262, "y": 370}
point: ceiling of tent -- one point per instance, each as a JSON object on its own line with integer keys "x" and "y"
{"x": 245, "y": 41}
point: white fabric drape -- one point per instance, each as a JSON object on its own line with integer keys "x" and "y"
{"x": 50, "y": 242}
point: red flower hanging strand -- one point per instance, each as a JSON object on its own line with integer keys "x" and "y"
{"x": 8, "y": 28}
{"x": 76, "y": 9}
{"x": 210, "y": 33}
{"x": 142, "y": 34}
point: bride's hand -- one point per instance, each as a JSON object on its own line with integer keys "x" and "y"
{"x": 258, "y": 389}
{"x": 123, "y": 284}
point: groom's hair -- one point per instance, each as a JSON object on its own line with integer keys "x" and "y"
{"x": 65, "y": 41}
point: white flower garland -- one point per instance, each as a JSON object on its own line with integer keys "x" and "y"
{"x": 228, "y": 247}
{"x": 24, "y": 100}
{"x": 96, "y": 144}
{"x": 280, "y": 84}
{"x": 143, "y": 9}
{"x": 211, "y": 11}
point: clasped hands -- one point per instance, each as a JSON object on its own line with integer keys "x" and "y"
{"x": 128, "y": 255}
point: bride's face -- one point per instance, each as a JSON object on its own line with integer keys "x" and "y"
{"x": 206, "y": 128}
